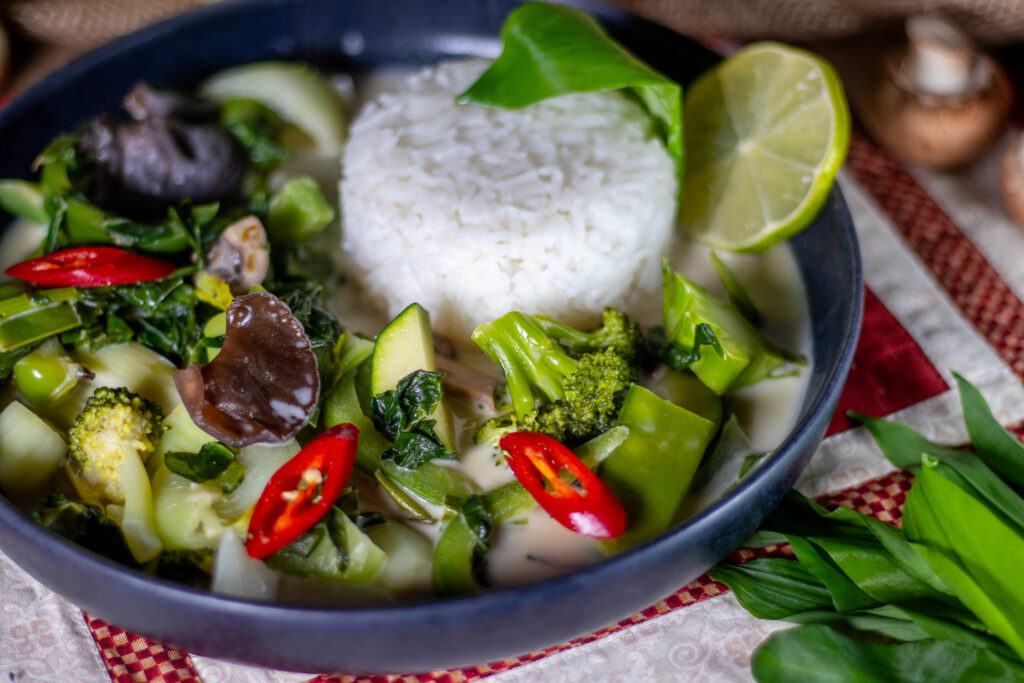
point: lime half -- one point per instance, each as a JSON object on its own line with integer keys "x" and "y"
{"x": 766, "y": 132}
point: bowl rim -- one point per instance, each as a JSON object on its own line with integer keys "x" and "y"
{"x": 150, "y": 587}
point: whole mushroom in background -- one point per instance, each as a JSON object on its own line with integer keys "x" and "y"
{"x": 939, "y": 101}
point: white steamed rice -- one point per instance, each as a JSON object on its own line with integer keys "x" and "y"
{"x": 560, "y": 208}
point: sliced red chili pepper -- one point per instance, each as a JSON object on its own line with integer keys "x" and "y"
{"x": 588, "y": 508}
{"x": 302, "y": 491}
{"x": 90, "y": 267}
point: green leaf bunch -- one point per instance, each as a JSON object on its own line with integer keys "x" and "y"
{"x": 939, "y": 600}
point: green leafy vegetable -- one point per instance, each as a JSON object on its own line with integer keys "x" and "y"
{"x": 947, "y": 583}
{"x": 298, "y": 212}
{"x": 996, "y": 447}
{"x": 903, "y": 447}
{"x": 214, "y": 460}
{"x": 458, "y": 556}
{"x": 819, "y": 653}
{"x": 403, "y": 416}
{"x": 553, "y": 50}
{"x": 972, "y": 549}
{"x": 256, "y": 128}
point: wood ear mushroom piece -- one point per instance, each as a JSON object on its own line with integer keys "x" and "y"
{"x": 939, "y": 102}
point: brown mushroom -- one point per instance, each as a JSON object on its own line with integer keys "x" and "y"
{"x": 466, "y": 381}
{"x": 240, "y": 256}
{"x": 263, "y": 385}
{"x": 940, "y": 101}
{"x": 1011, "y": 180}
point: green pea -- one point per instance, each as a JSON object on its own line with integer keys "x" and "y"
{"x": 45, "y": 375}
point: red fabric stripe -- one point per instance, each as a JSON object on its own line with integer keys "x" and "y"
{"x": 131, "y": 659}
{"x": 885, "y": 351}
{"x": 973, "y": 285}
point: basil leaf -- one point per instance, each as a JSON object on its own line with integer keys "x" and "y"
{"x": 903, "y": 447}
{"x": 773, "y": 588}
{"x": 971, "y": 549}
{"x": 819, "y": 653}
{"x": 553, "y": 50}
{"x": 212, "y": 460}
{"x": 997, "y": 448}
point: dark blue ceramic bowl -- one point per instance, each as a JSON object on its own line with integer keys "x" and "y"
{"x": 364, "y": 34}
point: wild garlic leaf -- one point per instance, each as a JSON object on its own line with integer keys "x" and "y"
{"x": 773, "y": 588}
{"x": 903, "y": 447}
{"x": 998, "y": 448}
{"x": 844, "y": 549}
{"x": 972, "y": 550}
{"x": 821, "y": 654}
{"x": 888, "y": 621}
{"x": 552, "y": 50}
{"x": 846, "y": 595}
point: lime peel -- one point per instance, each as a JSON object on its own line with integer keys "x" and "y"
{"x": 766, "y": 131}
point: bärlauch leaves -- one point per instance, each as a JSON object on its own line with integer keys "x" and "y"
{"x": 821, "y": 654}
{"x": 972, "y": 550}
{"x": 999, "y": 449}
{"x": 903, "y": 447}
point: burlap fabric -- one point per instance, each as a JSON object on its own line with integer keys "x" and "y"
{"x": 83, "y": 23}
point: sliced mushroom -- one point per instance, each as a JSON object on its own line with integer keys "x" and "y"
{"x": 940, "y": 101}
{"x": 263, "y": 385}
{"x": 240, "y": 256}
{"x": 463, "y": 380}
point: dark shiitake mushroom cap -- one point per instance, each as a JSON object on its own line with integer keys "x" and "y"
{"x": 263, "y": 385}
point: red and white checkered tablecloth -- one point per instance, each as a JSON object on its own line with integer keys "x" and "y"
{"x": 945, "y": 276}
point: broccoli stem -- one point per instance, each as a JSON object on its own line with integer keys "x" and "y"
{"x": 34, "y": 316}
{"x": 530, "y": 359}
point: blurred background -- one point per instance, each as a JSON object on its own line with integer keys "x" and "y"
{"x": 940, "y": 95}
{"x": 44, "y": 34}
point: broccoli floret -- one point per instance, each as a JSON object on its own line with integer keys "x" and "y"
{"x": 114, "y": 424}
{"x": 617, "y": 332}
{"x": 491, "y": 431}
{"x": 570, "y": 399}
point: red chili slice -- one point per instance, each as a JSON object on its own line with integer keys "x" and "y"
{"x": 591, "y": 509}
{"x": 90, "y": 267}
{"x": 302, "y": 491}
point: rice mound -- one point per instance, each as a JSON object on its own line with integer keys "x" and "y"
{"x": 559, "y": 208}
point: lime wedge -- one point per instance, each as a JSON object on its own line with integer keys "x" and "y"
{"x": 766, "y": 132}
